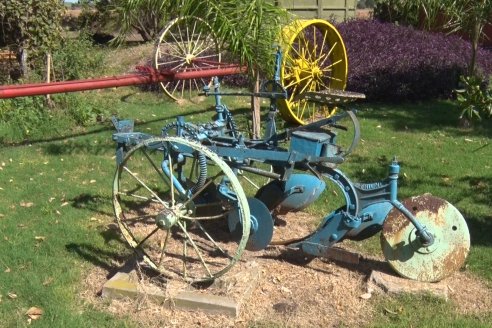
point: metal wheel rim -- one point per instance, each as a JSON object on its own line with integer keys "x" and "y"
{"x": 310, "y": 70}
{"x": 182, "y": 57}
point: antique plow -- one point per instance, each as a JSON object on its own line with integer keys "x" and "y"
{"x": 179, "y": 202}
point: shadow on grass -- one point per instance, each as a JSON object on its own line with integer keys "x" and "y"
{"x": 424, "y": 117}
{"x": 91, "y": 202}
{"x": 100, "y": 257}
{"x": 79, "y": 146}
{"x": 481, "y": 189}
{"x": 480, "y": 229}
{"x": 106, "y": 128}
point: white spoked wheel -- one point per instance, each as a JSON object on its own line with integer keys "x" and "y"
{"x": 172, "y": 198}
{"x": 187, "y": 43}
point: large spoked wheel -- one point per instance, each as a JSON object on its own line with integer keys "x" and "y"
{"x": 405, "y": 252}
{"x": 186, "y": 43}
{"x": 171, "y": 199}
{"x": 314, "y": 59}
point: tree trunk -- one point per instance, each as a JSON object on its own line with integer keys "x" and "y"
{"x": 22, "y": 59}
{"x": 255, "y": 108}
{"x": 144, "y": 34}
{"x": 475, "y": 38}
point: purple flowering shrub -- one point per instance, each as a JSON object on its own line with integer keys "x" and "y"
{"x": 391, "y": 62}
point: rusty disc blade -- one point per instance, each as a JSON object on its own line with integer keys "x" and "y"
{"x": 406, "y": 254}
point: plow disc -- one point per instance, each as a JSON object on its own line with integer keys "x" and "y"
{"x": 409, "y": 257}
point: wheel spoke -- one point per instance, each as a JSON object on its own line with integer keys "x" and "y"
{"x": 144, "y": 185}
{"x": 212, "y": 240}
{"x": 250, "y": 181}
{"x": 178, "y": 45}
{"x": 201, "y": 189}
{"x": 170, "y": 62}
{"x": 181, "y": 36}
{"x": 148, "y": 236}
{"x": 207, "y": 47}
{"x": 159, "y": 172}
{"x": 172, "y": 180}
{"x": 315, "y": 43}
{"x": 176, "y": 86}
{"x": 196, "y": 248}
{"x": 297, "y": 82}
{"x": 202, "y": 218}
{"x": 139, "y": 218}
{"x": 202, "y": 80}
{"x": 120, "y": 193}
{"x": 192, "y": 35}
{"x": 163, "y": 247}
{"x": 328, "y": 54}
{"x": 188, "y": 41}
{"x": 174, "y": 50}
{"x": 332, "y": 64}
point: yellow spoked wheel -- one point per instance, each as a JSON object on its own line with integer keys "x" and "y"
{"x": 314, "y": 59}
{"x": 186, "y": 43}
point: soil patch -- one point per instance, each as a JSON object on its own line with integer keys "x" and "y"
{"x": 293, "y": 291}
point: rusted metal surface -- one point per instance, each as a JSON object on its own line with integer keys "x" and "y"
{"x": 404, "y": 251}
{"x": 146, "y": 75}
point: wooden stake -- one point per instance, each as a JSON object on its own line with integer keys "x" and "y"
{"x": 48, "y": 79}
{"x": 255, "y": 108}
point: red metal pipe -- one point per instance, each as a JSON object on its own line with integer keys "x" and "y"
{"x": 146, "y": 75}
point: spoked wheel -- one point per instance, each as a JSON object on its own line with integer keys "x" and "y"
{"x": 404, "y": 251}
{"x": 171, "y": 199}
{"x": 314, "y": 59}
{"x": 186, "y": 43}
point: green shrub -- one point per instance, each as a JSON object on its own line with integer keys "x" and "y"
{"x": 84, "y": 110}
{"x": 20, "y": 117}
{"x": 30, "y": 118}
{"x": 78, "y": 58}
{"x": 475, "y": 99}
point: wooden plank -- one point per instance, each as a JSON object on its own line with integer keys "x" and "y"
{"x": 7, "y": 55}
{"x": 325, "y": 9}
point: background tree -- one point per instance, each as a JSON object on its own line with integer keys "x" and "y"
{"x": 470, "y": 17}
{"x": 32, "y": 27}
{"x": 247, "y": 28}
{"x": 465, "y": 16}
{"x": 146, "y": 17}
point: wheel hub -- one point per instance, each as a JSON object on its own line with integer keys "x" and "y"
{"x": 166, "y": 219}
{"x": 307, "y": 72}
{"x": 416, "y": 244}
{"x": 189, "y": 58}
{"x": 316, "y": 72}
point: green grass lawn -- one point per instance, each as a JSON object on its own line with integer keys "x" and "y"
{"x": 55, "y": 202}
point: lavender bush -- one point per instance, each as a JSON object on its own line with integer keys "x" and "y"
{"x": 391, "y": 62}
